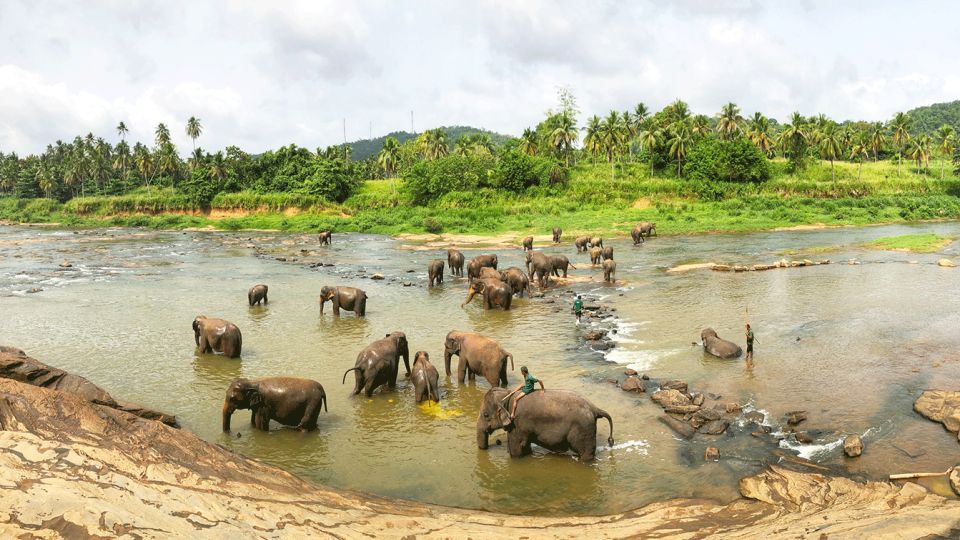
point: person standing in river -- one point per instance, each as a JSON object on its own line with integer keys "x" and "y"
{"x": 749, "y": 344}
{"x": 578, "y": 308}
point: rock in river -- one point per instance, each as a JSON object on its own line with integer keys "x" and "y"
{"x": 795, "y": 417}
{"x": 715, "y": 427}
{"x": 946, "y": 263}
{"x": 594, "y": 335}
{"x": 679, "y": 427}
{"x": 631, "y": 384}
{"x": 940, "y": 406}
{"x": 853, "y": 446}
{"x": 670, "y": 398}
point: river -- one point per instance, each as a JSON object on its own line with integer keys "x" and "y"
{"x": 853, "y": 345}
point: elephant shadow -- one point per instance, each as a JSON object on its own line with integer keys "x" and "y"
{"x": 345, "y": 327}
{"x": 216, "y": 369}
{"x": 258, "y": 313}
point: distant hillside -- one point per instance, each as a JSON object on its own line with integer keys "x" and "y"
{"x": 365, "y": 148}
{"x": 930, "y": 117}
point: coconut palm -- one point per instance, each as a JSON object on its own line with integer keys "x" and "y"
{"x": 44, "y": 180}
{"x": 794, "y": 138}
{"x": 611, "y": 137}
{"x": 122, "y": 131}
{"x": 528, "y": 142}
{"x": 194, "y": 129}
{"x": 860, "y": 151}
{"x": 481, "y": 144}
{"x": 877, "y": 136}
{"x": 433, "y": 144}
{"x": 946, "y": 144}
{"x": 679, "y": 143}
{"x": 900, "y": 126}
{"x": 463, "y": 147}
{"x": 565, "y": 135}
{"x": 700, "y": 125}
{"x": 389, "y": 156}
{"x": 678, "y": 111}
{"x": 649, "y": 138}
{"x": 196, "y": 158}
{"x": 162, "y": 135}
{"x": 919, "y": 150}
{"x": 729, "y": 121}
{"x": 640, "y": 115}
{"x": 217, "y": 168}
{"x": 758, "y": 133}
{"x": 591, "y": 141}
{"x": 143, "y": 161}
{"x": 122, "y": 153}
{"x": 828, "y": 145}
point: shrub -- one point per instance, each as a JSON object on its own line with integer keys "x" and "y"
{"x": 516, "y": 171}
{"x": 738, "y": 160}
{"x": 199, "y": 188}
{"x": 428, "y": 180}
{"x": 330, "y": 181}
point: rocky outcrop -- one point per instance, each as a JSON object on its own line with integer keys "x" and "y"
{"x": 940, "y": 406}
{"x": 16, "y": 365}
{"x": 72, "y": 468}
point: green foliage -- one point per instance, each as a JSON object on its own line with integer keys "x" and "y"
{"x": 716, "y": 160}
{"x": 199, "y": 188}
{"x": 929, "y": 118}
{"x": 330, "y": 180}
{"x": 916, "y": 243}
{"x": 516, "y": 171}
{"x": 428, "y": 180}
{"x": 367, "y": 148}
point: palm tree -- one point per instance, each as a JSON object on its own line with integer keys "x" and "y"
{"x": 591, "y": 141}
{"x": 794, "y": 137}
{"x": 900, "y": 126}
{"x": 143, "y": 161}
{"x": 216, "y": 168}
{"x": 729, "y": 121}
{"x": 679, "y": 143}
{"x": 828, "y": 145}
{"x": 528, "y": 142}
{"x": 649, "y": 139}
{"x": 946, "y": 144}
{"x": 463, "y": 146}
{"x": 640, "y": 114}
{"x": 433, "y": 144}
{"x": 389, "y": 156}
{"x": 877, "y": 137}
{"x": 194, "y": 129}
{"x": 122, "y": 131}
{"x": 481, "y": 144}
{"x": 919, "y": 150}
{"x": 700, "y": 125}
{"x": 565, "y": 135}
{"x": 860, "y": 151}
{"x": 43, "y": 179}
{"x": 162, "y": 135}
{"x": 611, "y": 138}
{"x": 122, "y": 151}
{"x": 678, "y": 111}
{"x": 759, "y": 134}
{"x": 627, "y": 126}
{"x": 196, "y": 158}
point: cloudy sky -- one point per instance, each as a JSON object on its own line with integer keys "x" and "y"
{"x": 260, "y": 74}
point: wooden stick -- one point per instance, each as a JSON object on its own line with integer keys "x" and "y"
{"x": 905, "y": 476}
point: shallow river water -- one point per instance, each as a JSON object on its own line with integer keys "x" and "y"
{"x": 853, "y": 345}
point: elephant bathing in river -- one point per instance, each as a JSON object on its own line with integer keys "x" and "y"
{"x": 596, "y": 241}
{"x": 455, "y": 261}
{"x": 595, "y": 254}
{"x": 478, "y": 262}
{"x": 348, "y": 298}
{"x": 609, "y": 270}
{"x": 435, "y": 272}
{"x": 478, "y": 354}
{"x": 379, "y": 363}
{"x": 517, "y": 279}
{"x": 217, "y": 335}
{"x": 582, "y": 243}
{"x": 425, "y": 378}
{"x": 325, "y": 237}
{"x": 288, "y": 400}
{"x": 558, "y": 420}
{"x": 637, "y": 235}
{"x": 713, "y": 344}
{"x": 541, "y": 266}
{"x": 528, "y": 243}
{"x": 557, "y": 232}
{"x": 608, "y": 253}
{"x": 256, "y": 294}
{"x": 495, "y": 293}
{"x": 560, "y": 262}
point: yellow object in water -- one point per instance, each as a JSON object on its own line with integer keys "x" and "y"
{"x": 435, "y": 409}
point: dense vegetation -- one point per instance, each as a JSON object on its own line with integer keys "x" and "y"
{"x": 929, "y": 118}
{"x": 724, "y": 172}
{"x": 369, "y": 148}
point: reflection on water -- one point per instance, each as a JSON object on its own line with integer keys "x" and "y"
{"x": 852, "y": 345}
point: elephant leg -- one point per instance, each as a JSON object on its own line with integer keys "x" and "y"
{"x": 461, "y": 370}
{"x": 262, "y": 419}
{"x": 336, "y": 306}
{"x": 203, "y": 345}
{"x": 309, "y": 420}
{"x": 502, "y": 375}
{"x": 361, "y": 310}
{"x": 369, "y": 387}
{"x": 265, "y": 299}
{"x": 517, "y": 443}
{"x": 253, "y": 418}
{"x": 564, "y": 271}
{"x": 358, "y": 383}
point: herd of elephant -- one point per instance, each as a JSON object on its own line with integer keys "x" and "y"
{"x": 557, "y": 420}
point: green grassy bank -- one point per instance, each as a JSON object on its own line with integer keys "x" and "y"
{"x": 591, "y": 201}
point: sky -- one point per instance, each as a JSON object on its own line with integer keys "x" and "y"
{"x": 262, "y": 74}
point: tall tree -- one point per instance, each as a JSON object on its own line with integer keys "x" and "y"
{"x": 649, "y": 138}
{"x": 389, "y": 156}
{"x": 679, "y": 144}
{"x": 122, "y": 131}
{"x": 611, "y": 138}
{"x": 528, "y": 142}
{"x": 729, "y": 121}
{"x": 194, "y": 129}
{"x": 828, "y": 144}
{"x": 946, "y": 144}
{"x": 860, "y": 150}
{"x": 565, "y": 135}
{"x": 900, "y": 128}
{"x": 919, "y": 151}
{"x": 700, "y": 125}
{"x": 759, "y": 133}
{"x": 877, "y": 135}
{"x": 592, "y": 140}
{"x": 794, "y": 139}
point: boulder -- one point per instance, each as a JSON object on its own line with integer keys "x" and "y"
{"x": 853, "y": 446}
{"x": 946, "y": 263}
{"x": 679, "y": 427}
{"x": 594, "y": 335}
{"x": 795, "y": 417}
{"x": 721, "y": 268}
{"x": 670, "y": 398}
{"x": 698, "y": 399}
{"x": 712, "y": 453}
{"x": 674, "y": 385}
{"x": 940, "y": 406}
{"x": 754, "y": 416}
{"x": 715, "y": 427}
{"x": 733, "y": 408}
{"x": 631, "y": 384}
{"x": 378, "y": 276}
{"x": 955, "y": 479}
{"x": 630, "y": 372}
{"x": 65, "y": 264}
{"x": 682, "y": 409}
{"x": 803, "y": 437}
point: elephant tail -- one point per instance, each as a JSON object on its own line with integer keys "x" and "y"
{"x": 323, "y": 398}
{"x": 510, "y": 356}
{"x": 572, "y": 266}
{"x": 600, "y": 413}
{"x": 348, "y": 371}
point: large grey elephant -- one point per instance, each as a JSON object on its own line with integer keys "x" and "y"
{"x": 557, "y": 233}
{"x": 715, "y": 345}
{"x": 646, "y": 228}
{"x": 256, "y": 294}
{"x": 582, "y": 243}
{"x": 493, "y": 291}
{"x": 379, "y": 363}
{"x": 435, "y": 272}
{"x": 478, "y": 262}
{"x": 455, "y": 261}
{"x": 288, "y": 400}
{"x": 560, "y": 262}
{"x": 558, "y": 420}
{"x": 609, "y": 270}
{"x": 517, "y": 279}
{"x": 637, "y": 235}
{"x": 478, "y": 354}
{"x": 348, "y": 298}
{"x": 425, "y": 378}
{"x": 217, "y": 335}
{"x": 539, "y": 266}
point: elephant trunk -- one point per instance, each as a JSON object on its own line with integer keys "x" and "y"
{"x": 322, "y": 302}
{"x": 227, "y": 413}
{"x": 483, "y": 438}
{"x": 470, "y": 295}
{"x": 446, "y": 361}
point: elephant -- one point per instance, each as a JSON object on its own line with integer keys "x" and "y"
{"x": 595, "y": 253}
{"x": 325, "y": 237}
{"x": 478, "y": 354}
{"x": 558, "y": 420}
{"x": 495, "y": 293}
{"x": 256, "y": 294}
{"x": 517, "y": 279}
{"x": 288, "y": 400}
{"x": 647, "y": 228}
{"x": 528, "y": 243}
{"x": 721, "y": 348}
{"x": 425, "y": 378}
{"x": 435, "y": 272}
{"x": 217, "y": 335}
{"x": 557, "y": 232}
{"x": 637, "y": 235}
{"x": 560, "y": 262}
{"x": 478, "y": 262}
{"x": 379, "y": 363}
{"x": 348, "y": 298}
{"x": 539, "y": 265}
{"x": 582, "y": 243}
{"x": 596, "y": 241}
{"x": 489, "y": 273}
{"x": 608, "y": 253}
{"x": 455, "y": 260}
{"x": 609, "y": 270}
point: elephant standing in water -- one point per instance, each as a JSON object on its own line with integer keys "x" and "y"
{"x": 489, "y": 273}
{"x": 325, "y": 238}
{"x": 256, "y": 294}
{"x": 478, "y": 354}
{"x": 517, "y": 279}
{"x": 596, "y": 241}
{"x": 478, "y": 262}
{"x": 541, "y": 266}
{"x": 348, "y": 298}
{"x": 560, "y": 262}
{"x": 557, "y": 232}
{"x": 455, "y": 260}
{"x": 646, "y": 228}
{"x": 582, "y": 243}
{"x": 379, "y": 363}
{"x": 609, "y": 270}
{"x": 721, "y": 348}
{"x": 595, "y": 254}
{"x": 528, "y": 243}
{"x": 288, "y": 400}
{"x": 637, "y": 235}
{"x": 435, "y": 272}
{"x": 608, "y": 253}
{"x": 495, "y": 293}
{"x": 425, "y": 378}
{"x": 217, "y": 335}
{"x": 558, "y": 420}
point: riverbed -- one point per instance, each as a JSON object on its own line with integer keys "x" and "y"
{"x": 851, "y": 344}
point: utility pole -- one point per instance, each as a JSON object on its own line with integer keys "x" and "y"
{"x": 345, "y": 139}
{"x": 413, "y": 131}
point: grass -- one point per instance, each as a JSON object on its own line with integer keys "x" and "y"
{"x": 914, "y": 243}
{"x": 591, "y": 202}
{"x": 813, "y": 250}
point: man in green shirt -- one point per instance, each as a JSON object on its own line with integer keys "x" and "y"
{"x": 578, "y": 308}
{"x": 749, "y": 344}
{"x": 521, "y": 391}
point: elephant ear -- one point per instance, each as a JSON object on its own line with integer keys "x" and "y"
{"x": 254, "y": 397}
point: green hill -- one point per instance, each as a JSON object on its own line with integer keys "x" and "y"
{"x": 365, "y": 148}
{"x": 928, "y": 118}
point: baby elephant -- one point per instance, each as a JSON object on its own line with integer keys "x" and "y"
{"x": 425, "y": 378}
{"x": 379, "y": 363}
{"x": 288, "y": 400}
{"x": 256, "y": 294}
{"x": 609, "y": 270}
{"x": 325, "y": 237}
{"x": 608, "y": 253}
{"x": 435, "y": 272}
{"x": 217, "y": 335}
{"x": 528, "y": 243}
{"x": 595, "y": 254}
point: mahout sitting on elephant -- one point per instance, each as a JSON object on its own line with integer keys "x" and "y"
{"x": 217, "y": 335}
{"x": 348, "y": 298}
{"x": 455, "y": 261}
{"x": 528, "y": 243}
{"x": 608, "y": 253}
{"x": 425, "y": 378}
{"x": 715, "y": 345}
{"x": 557, "y": 232}
{"x": 558, "y": 420}
{"x": 493, "y": 291}
{"x": 560, "y": 262}
{"x": 288, "y": 400}
{"x": 539, "y": 265}
{"x": 595, "y": 254}
{"x": 325, "y": 238}
{"x": 256, "y": 294}
{"x": 517, "y": 279}
{"x": 379, "y": 362}
{"x": 435, "y": 272}
{"x": 478, "y": 354}
{"x": 609, "y": 270}
{"x": 582, "y": 243}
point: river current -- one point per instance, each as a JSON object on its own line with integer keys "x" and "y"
{"x": 853, "y": 345}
